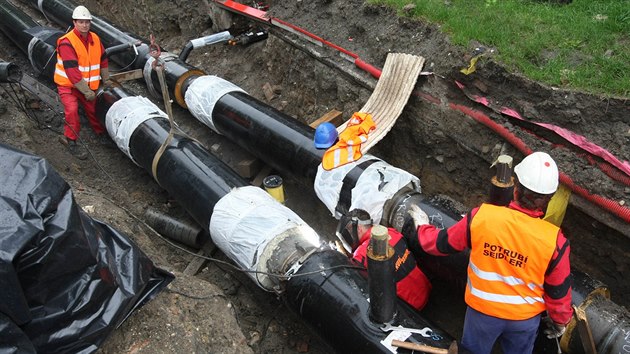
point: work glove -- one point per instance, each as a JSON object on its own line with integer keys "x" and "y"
{"x": 418, "y": 215}
{"x": 554, "y": 330}
{"x": 83, "y": 87}
{"x": 107, "y": 82}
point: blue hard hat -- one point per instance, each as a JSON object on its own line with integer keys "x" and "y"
{"x": 325, "y": 135}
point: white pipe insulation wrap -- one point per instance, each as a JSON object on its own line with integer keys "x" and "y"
{"x": 260, "y": 234}
{"x": 203, "y": 94}
{"x": 211, "y": 39}
{"x": 374, "y": 187}
{"x": 124, "y": 117}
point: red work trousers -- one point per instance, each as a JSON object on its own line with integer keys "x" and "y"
{"x": 70, "y": 98}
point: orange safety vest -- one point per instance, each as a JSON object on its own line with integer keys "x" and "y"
{"x": 510, "y": 253}
{"x": 89, "y": 61}
{"x": 348, "y": 148}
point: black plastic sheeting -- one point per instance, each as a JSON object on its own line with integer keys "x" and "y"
{"x": 67, "y": 280}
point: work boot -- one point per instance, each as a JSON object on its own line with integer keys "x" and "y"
{"x": 77, "y": 150}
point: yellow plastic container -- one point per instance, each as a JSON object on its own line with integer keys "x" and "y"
{"x": 273, "y": 186}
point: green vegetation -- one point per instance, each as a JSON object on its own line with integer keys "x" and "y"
{"x": 584, "y": 45}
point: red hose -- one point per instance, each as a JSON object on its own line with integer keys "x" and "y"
{"x": 610, "y": 170}
{"x": 367, "y": 67}
{"x": 610, "y": 205}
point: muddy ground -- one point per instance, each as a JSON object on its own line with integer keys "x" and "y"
{"x": 220, "y": 310}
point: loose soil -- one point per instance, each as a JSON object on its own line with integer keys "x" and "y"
{"x": 219, "y": 310}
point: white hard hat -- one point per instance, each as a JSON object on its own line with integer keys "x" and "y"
{"x": 538, "y": 172}
{"x": 81, "y": 13}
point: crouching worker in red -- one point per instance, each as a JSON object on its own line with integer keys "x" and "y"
{"x": 81, "y": 64}
{"x": 519, "y": 264}
{"x": 412, "y": 285}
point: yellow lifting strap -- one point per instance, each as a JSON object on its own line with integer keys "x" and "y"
{"x": 558, "y": 206}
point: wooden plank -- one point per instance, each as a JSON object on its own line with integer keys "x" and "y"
{"x": 333, "y": 117}
{"x": 44, "y": 93}
{"x": 127, "y": 75}
{"x": 264, "y": 172}
{"x": 199, "y": 262}
{"x": 248, "y": 168}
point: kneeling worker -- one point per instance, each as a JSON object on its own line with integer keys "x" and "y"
{"x": 412, "y": 285}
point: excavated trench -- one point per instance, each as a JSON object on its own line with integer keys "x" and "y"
{"x": 449, "y": 151}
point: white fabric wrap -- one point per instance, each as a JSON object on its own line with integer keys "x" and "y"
{"x": 204, "y": 93}
{"x": 376, "y": 185}
{"x": 124, "y": 117}
{"x": 245, "y": 221}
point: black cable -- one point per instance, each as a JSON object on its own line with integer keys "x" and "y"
{"x": 193, "y": 296}
{"x": 218, "y": 261}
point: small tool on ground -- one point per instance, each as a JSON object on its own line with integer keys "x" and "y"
{"x": 452, "y": 349}
{"x": 425, "y": 332}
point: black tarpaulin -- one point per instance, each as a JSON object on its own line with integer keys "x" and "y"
{"x": 66, "y": 280}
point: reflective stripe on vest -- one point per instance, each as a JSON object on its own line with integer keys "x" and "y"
{"x": 89, "y": 60}
{"x": 508, "y": 260}
{"x": 348, "y": 148}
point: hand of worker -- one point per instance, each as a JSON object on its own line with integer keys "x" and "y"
{"x": 555, "y": 330}
{"x": 418, "y": 215}
{"x": 83, "y": 87}
{"x": 89, "y": 95}
{"x": 107, "y": 82}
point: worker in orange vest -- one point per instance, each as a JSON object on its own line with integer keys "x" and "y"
{"x": 354, "y": 232}
{"x": 348, "y": 147}
{"x": 519, "y": 263}
{"x": 81, "y": 65}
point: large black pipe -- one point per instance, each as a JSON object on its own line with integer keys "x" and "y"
{"x": 36, "y": 41}
{"x": 320, "y": 296}
{"x": 285, "y": 143}
{"x": 9, "y": 73}
{"x": 186, "y": 170}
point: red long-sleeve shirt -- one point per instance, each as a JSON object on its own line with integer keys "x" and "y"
{"x": 557, "y": 285}
{"x": 70, "y": 60}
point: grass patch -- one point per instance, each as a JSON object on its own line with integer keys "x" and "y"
{"x": 584, "y": 45}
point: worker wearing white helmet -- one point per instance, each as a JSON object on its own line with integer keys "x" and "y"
{"x": 519, "y": 263}
{"x": 81, "y": 65}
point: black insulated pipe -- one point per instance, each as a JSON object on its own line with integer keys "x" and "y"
{"x": 175, "y": 229}
{"x": 502, "y": 183}
{"x": 37, "y": 42}
{"x": 110, "y": 51}
{"x": 381, "y": 281}
{"x": 283, "y": 142}
{"x": 186, "y": 170}
{"x": 10, "y": 73}
{"x": 334, "y": 302}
